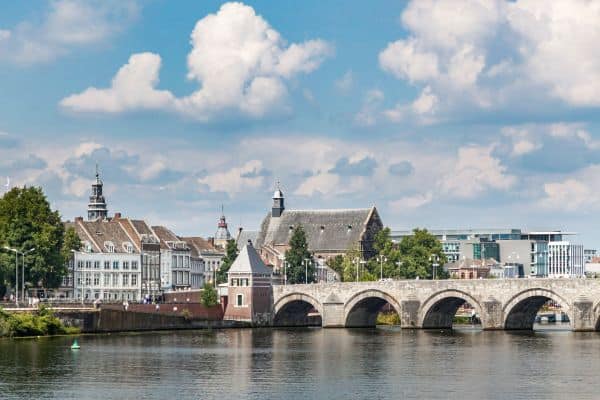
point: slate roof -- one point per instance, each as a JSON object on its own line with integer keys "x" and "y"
{"x": 244, "y": 236}
{"x": 249, "y": 262}
{"x": 335, "y": 230}
{"x": 98, "y": 232}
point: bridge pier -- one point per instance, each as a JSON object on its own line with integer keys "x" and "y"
{"x": 583, "y": 315}
{"x": 409, "y": 315}
{"x": 492, "y": 318}
{"x": 333, "y": 313}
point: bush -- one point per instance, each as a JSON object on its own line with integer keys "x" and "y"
{"x": 209, "y": 297}
{"x": 42, "y": 322}
{"x": 388, "y": 318}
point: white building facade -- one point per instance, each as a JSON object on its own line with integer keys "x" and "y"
{"x": 565, "y": 260}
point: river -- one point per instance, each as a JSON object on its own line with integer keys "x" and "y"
{"x": 309, "y": 363}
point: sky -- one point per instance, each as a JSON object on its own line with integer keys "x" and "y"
{"x": 442, "y": 114}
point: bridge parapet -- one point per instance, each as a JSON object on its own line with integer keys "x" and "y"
{"x": 500, "y": 303}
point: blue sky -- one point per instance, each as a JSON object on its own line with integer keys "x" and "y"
{"x": 444, "y": 114}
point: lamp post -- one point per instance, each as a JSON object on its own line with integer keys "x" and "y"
{"x": 381, "y": 259}
{"x": 23, "y": 273}
{"x": 306, "y": 261}
{"x": 358, "y": 261}
{"x": 434, "y": 258}
{"x": 16, "y": 272}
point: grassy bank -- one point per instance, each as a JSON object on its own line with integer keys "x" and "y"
{"x": 39, "y": 323}
{"x": 388, "y": 318}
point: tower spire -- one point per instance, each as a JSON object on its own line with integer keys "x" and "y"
{"x": 97, "y": 205}
{"x": 278, "y": 202}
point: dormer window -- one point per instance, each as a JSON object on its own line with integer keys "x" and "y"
{"x": 109, "y": 247}
{"x": 88, "y": 247}
{"x": 128, "y": 247}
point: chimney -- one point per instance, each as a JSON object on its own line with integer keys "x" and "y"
{"x": 211, "y": 241}
{"x": 117, "y": 215}
{"x": 78, "y": 219}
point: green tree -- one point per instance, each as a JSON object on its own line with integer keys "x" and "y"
{"x": 296, "y": 270}
{"x": 71, "y": 241}
{"x": 418, "y": 253}
{"x": 231, "y": 253}
{"x": 337, "y": 264}
{"x": 26, "y": 222}
{"x": 353, "y": 263}
{"x": 388, "y": 256}
{"x": 209, "y": 297}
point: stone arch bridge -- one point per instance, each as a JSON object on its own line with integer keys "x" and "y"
{"x": 500, "y": 303}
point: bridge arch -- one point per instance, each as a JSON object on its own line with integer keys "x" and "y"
{"x": 520, "y": 311}
{"x": 439, "y": 309}
{"x": 361, "y": 309}
{"x": 293, "y": 309}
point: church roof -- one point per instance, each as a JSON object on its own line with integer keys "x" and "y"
{"x": 335, "y": 230}
{"x": 244, "y": 236}
{"x": 249, "y": 262}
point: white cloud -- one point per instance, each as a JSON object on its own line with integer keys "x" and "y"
{"x": 577, "y": 193}
{"x": 323, "y": 183}
{"x": 409, "y": 203}
{"x": 239, "y": 61}
{"x": 476, "y": 171}
{"x": 68, "y": 24}
{"x": 553, "y": 51}
{"x": 132, "y": 88}
{"x": 368, "y": 114}
{"x": 559, "y": 46}
{"x": 405, "y": 60}
{"x": 345, "y": 83}
{"x": 236, "y": 180}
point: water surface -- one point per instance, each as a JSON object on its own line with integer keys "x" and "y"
{"x": 305, "y": 363}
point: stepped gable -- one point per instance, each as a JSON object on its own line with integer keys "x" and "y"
{"x": 325, "y": 229}
{"x": 249, "y": 262}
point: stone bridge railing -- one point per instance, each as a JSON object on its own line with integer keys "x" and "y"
{"x": 499, "y": 303}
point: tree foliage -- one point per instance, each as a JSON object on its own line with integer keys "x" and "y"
{"x": 231, "y": 253}
{"x": 26, "y": 222}
{"x": 209, "y": 296}
{"x": 337, "y": 264}
{"x": 418, "y": 254}
{"x": 296, "y": 270}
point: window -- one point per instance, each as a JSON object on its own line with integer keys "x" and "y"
{"x": 125, "y": 279}
{"x": 133, "y": 279}
{"x": 79, "y": 280}
{"x": 115, "y": 280}
{"x": 239, "y": 300}
{"x": 88, "y": 264}
{"x": 174, "y": 261}
{"x": 115, "y": 265}
{"x": 79, "y": 264}
{"x": 106, "y": 279}
{"x": 96, "y": 279}
{"x": 106, "y": 264}
{"x": 128, "y": 247}
{"x": 96, "y": 264}
{"x": 109, "y": 246}
{"x": 134, "y": 265}
{"x": 125, "y": 264}
{"x": 88, "y": 279}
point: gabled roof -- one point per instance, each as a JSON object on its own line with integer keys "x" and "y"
{"x": 199, "y": 245}
{"x": 165, "y": 235}
{"x": 249, "y": 262}
{"x": 325, "y": 229}
{"x": 99, "y": 232}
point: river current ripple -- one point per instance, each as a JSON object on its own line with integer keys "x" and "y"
{"x": 381, "y": 363}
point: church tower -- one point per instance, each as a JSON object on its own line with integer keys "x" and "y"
{"x": 97, "y": 206}
{"x": 278, "y": 203}
{"x": 222, "y": 236}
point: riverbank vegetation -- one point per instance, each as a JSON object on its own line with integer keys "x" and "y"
{"x": 42, "y": 322}
{"x": 388, "y": 318}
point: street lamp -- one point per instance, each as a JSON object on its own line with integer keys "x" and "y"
{"x": 381, "y": 259}
{"x": 16, "y": 273}
{"x": 435, "y": 264}
{"x": 23, "y": 273}
{"x": 306, "y": 261}
{"x": 358, "y": 261}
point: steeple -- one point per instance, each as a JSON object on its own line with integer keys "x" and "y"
{"x": 278, "y": 202}
{"x": 97, "y": 205}
{"x": 222, "y": 236}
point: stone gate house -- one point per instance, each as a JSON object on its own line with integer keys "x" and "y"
{"x": 250, "y": 294}
{"x": 329, "y": 232}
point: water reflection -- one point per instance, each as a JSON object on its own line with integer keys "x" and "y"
{"x": 305, "y": 363}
